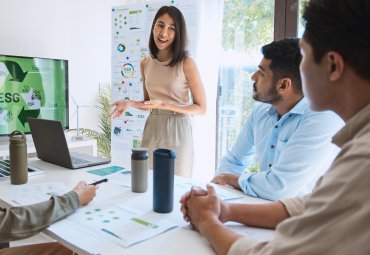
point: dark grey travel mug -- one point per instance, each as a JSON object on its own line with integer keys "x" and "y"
{"x": 18, "y": 158}
{"x": 139, "y": 170}
{"x": 163, "y": 180}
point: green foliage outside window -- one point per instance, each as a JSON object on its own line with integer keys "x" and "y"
{"x": 247, "y": 26}
{"x": 253, "y": 17}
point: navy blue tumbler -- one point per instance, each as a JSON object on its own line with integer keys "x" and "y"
{"x": 163, "y": 180}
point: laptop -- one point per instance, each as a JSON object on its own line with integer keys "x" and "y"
{"x": 5, "y": 170}
{"x": 51, "y": 146}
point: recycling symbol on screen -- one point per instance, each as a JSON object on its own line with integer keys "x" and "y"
{"x": 21, "y": 92}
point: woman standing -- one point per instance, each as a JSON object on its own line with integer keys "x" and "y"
{"x": 173, "y": 90}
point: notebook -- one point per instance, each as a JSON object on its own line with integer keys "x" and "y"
{"x": 51, "y": 146}
{"x": 5, "y": 170}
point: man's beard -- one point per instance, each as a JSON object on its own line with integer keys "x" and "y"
{"x": 270, "y": 97}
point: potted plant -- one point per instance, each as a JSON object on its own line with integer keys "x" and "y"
{"x": 103, "y": 136}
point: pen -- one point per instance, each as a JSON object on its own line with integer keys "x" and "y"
{"x": 98, "y": 182}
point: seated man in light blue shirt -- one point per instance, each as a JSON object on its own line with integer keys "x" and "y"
{"x": 291, "y": 143}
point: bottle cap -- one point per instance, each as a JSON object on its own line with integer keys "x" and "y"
{"x": 17, "y": 137}
{"x": 139, "y": 153}
{"x": 164, "y": 153}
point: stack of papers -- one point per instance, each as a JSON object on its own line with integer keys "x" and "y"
{"x": 29, "y": 194}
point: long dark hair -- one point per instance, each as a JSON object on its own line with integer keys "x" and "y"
{"x": 181, "y": 39}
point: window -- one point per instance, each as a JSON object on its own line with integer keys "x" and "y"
{"x": 247, "y": 26}
{"x": 302, "y": 3}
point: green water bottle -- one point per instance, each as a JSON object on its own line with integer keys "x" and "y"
{"x": 18, "y": 158}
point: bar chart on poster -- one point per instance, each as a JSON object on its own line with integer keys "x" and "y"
{"x": 131, "y": 26}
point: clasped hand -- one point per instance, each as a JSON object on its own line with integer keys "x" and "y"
{"x": 200, "y": 206}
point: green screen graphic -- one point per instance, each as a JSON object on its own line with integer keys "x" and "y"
{"x": 32, "y": 87}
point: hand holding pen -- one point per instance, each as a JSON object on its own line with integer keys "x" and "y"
{"x": 98, "y": 182}
{"x": 85, "y": 193}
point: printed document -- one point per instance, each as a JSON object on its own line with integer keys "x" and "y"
{"x": 121, "y": 224}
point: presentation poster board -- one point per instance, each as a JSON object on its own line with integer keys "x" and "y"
{"x": 131, "y": 26}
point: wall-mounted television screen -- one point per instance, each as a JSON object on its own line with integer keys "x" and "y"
{"x": 32, "y": 87}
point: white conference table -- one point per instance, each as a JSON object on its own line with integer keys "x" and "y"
{"x": 180, "y": 240}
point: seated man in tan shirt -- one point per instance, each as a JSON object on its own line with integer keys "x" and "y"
{"x": 22, "y": 222}
{"x": 335, "y": 218}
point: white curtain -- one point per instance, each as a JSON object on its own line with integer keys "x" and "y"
{"x": 208, "y": 59}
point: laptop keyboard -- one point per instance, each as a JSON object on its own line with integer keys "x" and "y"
{"x": 5, "y": 168}
{"x": 78, "y": 161}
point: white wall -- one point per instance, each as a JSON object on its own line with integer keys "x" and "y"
{"x": 35, "y": 28}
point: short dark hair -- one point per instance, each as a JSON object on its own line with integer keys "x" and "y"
{"x": 341, "y": 26}
{"x": 285, "y": 59}
{"x": 181, "y": 39}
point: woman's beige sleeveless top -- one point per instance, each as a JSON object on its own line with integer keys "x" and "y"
{"x": 166, "y": 83}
